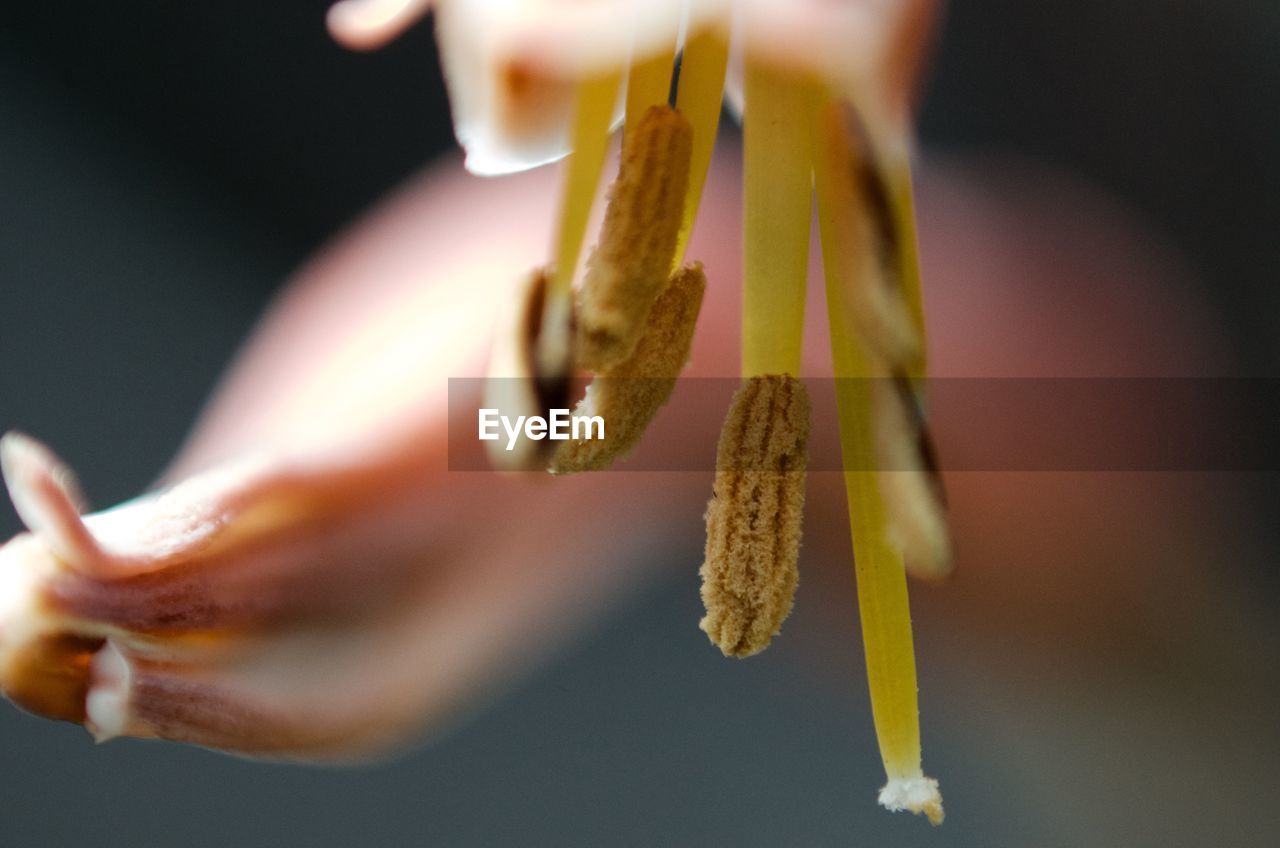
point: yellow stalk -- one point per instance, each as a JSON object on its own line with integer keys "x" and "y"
{"x": 881, "y": 576}
{"x": 698, "y": 97}
{"x": 597, "y": 96}
{"x": 649, "y": 84}
{"x": 777, "y": 196}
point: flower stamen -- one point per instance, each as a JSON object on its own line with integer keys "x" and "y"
{"x": 749, "y": 575}
{"x": 756, "y": 510}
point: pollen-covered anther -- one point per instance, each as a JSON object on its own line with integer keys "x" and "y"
{"x": 914, "y": 500}
{"x": 629, "y": 396}
{"x": 749, "y": 574}
{"x": 629, "y": 267}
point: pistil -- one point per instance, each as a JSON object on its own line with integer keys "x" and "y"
{"x": 879, "y": 566}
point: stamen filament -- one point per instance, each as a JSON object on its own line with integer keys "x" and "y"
{"x": 777, "y": 196}
{"x": 649, "y": 84}
{"x": 597, "y": 95}
{"x": 879, "y": 568}
{"x": 698, "y": 97}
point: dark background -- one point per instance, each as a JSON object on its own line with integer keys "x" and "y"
{"x": 163, "y": 166}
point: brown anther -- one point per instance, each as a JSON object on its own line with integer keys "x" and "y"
{"x": 749, "y": 575}
{"x": 910, "y": 483}
{"x": 628, "y": 396}
{"x": 629, "y": 267}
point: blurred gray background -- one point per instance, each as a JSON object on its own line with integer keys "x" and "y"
{"x": 163, "y": 166}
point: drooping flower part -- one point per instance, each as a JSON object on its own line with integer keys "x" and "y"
{"x": 824, "y": 89}
{"x": 238, "y": 609}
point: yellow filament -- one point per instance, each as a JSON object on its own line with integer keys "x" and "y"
{"x": 698, "y": 97}
{"x": 597, "y": 96}
{"x": 904, "y": 214}
{"x": 649, "y": 83}
{"x": 777, "y": 195}
{"x": 881, "y": 576}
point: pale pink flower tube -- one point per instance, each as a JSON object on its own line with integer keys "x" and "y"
{"x": 318, "y": 583}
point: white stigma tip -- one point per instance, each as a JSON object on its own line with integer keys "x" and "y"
{"x": 914, "y": 794}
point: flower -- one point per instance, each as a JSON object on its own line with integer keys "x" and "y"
{"x": 308, "y": 581}
{"x": 824, "y": 89}
{"x": 186, "y": 614}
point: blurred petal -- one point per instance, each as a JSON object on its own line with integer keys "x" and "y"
{"x": 47, "y": 497}
{"x": 318, "y": 584}
{"x": 872, "y": 51}
{"x": 512, "y": 65}
{"x": 369, "y": 24}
